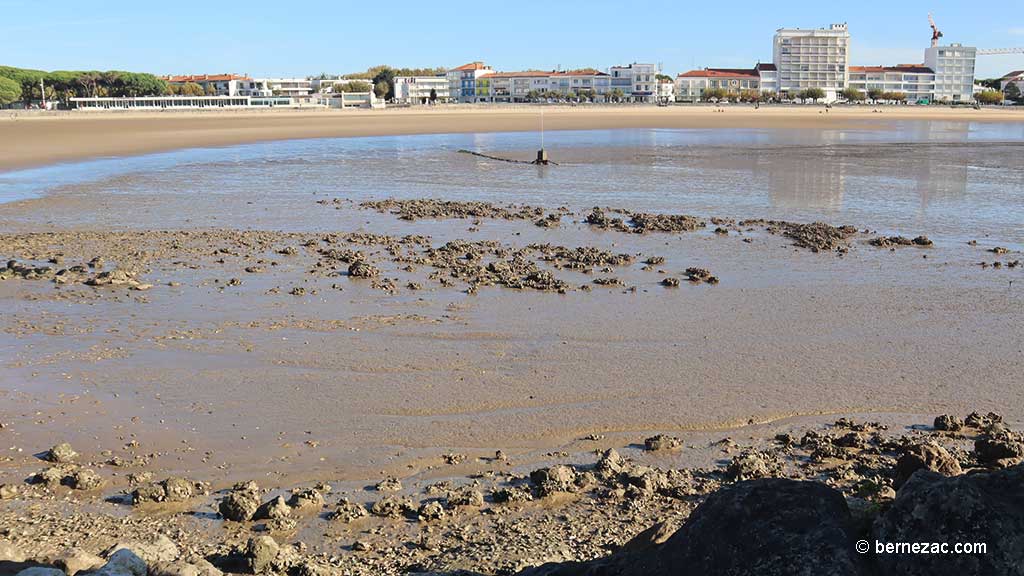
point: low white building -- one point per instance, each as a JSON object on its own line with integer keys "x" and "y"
{"x": 161, "y": 102}
{"x": 293, "y": 87}
{"x": 421, "y": 89}
{"x": 915, "y": 81}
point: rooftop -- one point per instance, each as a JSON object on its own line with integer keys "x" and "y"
{"x": 473, "y": 66}
{"x": 904, "y": 68}
{"x": 205, "y": 78}
{"x": 721, "y": 73}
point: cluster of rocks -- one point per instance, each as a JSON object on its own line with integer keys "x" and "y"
{"x": 816, "y": 236}
{"x": 855, "y": 471}
{"x": 79, "y": 274}
{"x": 157, "y": 557}
{"x": 438, "y": 209}
{"x": 642, "y": 223}
{"x": 764, "y": 524}
{"x": 895, "y": 241}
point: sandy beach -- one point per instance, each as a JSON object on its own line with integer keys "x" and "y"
{"x": 39, "y": 139}
{"x": 391, "y": 357}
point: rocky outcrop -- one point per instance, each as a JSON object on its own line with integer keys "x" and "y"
{"x": 983, "y": 507}
{"x": 761, "y": 527}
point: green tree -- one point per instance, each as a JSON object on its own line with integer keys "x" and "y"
{"x": 433, "y": 95}
{"x": 875, "y": 93}
{"x": 386, "y": 76}
{"x": 992, "y": 83}
{"x": 989, "y": 97}
{"x": 714, "y": 94}
{"x": 10, "y": 91}
{"x": 353, "y": 86}
{"x": 1012, "y": 92}
{"x": 750, "y": 96}
{"x": 852, "y": 94}
{"x": 381, "y": 88}
{"x": 812, "y": 94}
{"x": 192, "y": 89}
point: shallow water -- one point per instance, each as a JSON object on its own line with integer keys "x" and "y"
{"x": 956, "y": 180}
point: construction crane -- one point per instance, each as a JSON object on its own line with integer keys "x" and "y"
{"x": 936, "y": 34}
{"x": 997, "y": 51}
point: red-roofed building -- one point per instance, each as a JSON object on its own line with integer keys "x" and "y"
{"x": 463, "y": 82}
{"x": 690, "y": 86}
{"x": 916, "y": 81}
{"x": 221, "y": 84}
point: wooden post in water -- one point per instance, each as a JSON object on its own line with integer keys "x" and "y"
{"x": 542, "y": 154}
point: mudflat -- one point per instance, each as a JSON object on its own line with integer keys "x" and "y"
{"x": 35, "y": 139}
{"x": 432, "y": 383}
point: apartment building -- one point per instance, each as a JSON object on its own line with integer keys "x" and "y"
{"x": 914, "y": 80}
{"x": 953, "y": 66}
{"x": 221, "y": 84}
{"x": 812, "y": 58}
{"x": 421, "y": 89}
{"x": 526, "y": 85}
{"x": 464, "y": 85}
{"x": 690, "y": 86}
{"x": 637, "y": 81}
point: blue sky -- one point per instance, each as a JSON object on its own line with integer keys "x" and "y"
{"x": 304, "y": 37}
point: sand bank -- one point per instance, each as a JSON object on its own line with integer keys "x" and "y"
{"x": 32, "y": 140}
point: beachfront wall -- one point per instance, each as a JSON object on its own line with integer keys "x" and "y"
{"x": 161, "y": 102}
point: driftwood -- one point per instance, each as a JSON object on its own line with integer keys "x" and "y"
{"x": 509, "y": 160}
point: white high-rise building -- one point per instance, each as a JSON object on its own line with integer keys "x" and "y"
{"x": 815, "y": 58}
{"x": 954, "y": 71}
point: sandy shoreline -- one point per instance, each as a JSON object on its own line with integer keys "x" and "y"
{"x": 35, "y": 140}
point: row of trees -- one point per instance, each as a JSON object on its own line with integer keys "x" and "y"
{"x": 721, "y": 94}
{"x": 64, "y": 85}
{"x": 874, "y": 94}
{"x": 582, "y": 95}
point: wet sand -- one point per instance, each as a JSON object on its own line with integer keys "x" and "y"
{"x": 351, "y": 342}
{"x": 32, "y": 140}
